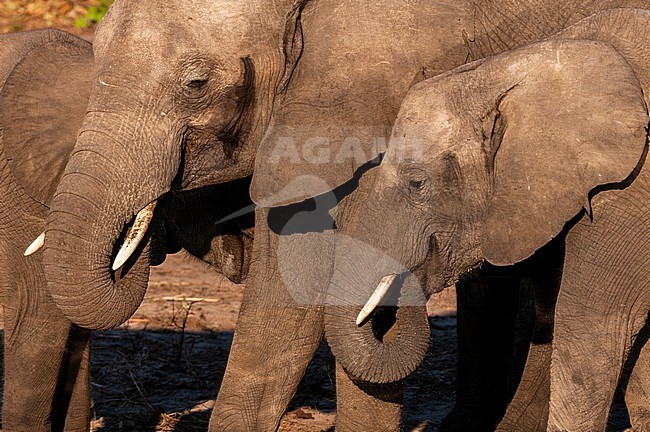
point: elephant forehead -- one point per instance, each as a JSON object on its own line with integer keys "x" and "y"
{"x": 422, "y": 132}
{"x": 359, "y": 60}
{"x": 147, "y": 30}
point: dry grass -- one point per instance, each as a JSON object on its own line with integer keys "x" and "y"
{"x": 16, "y": 15}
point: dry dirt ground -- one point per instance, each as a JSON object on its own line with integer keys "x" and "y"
{"x": 160, "y": 371}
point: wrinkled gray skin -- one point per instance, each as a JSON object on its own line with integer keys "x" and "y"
{"x": 44, "y": 88}
{"x": 529, "y": 409}
{"x": 189, "y": 93}
{"x": 40, "y": 72}
{"x": 532, "y": 161}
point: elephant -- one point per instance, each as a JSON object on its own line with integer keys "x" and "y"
{"x": 45, "y": 79}
{"x": 46, "y": 384}
{"x": 529, "y": 408}
{"x": 531, "y": 161}
{"x": 190, "y": 93}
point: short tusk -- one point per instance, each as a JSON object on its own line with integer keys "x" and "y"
{"x": 376, "y": 298}
{"x": 36, "y": 245}
{"x": 135, "y": 235}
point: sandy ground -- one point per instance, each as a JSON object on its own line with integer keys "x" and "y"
{"x": 161, "y": 370}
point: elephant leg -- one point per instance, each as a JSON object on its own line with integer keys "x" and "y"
{"x": 603, "y": 303}
{"x": 37, "y": 369}
{"x": 528, "y": 410}
{"x": 280, "y": 326}
{"x": 637, "y": 396}
{"x": 78, "y": 373}
{"x": 363, "y": 406}
{"x": 487, "y": 315}
{"x": 590, "y": 346}
{"x": 277, "y": 331}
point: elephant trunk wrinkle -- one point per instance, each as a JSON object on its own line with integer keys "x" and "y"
{"x": 393, "y": 337}
{"x": 83, "y": 236}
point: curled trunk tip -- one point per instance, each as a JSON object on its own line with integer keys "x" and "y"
{"x": 367, "y": 358}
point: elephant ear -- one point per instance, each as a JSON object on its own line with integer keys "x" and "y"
{"x": 292, "y": 42}
{"x": 573, "y": 119}
{"x": 43, "y": 104}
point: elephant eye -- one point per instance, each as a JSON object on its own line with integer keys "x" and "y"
{"x": 416, "y": 185}
{"x": 197, "y": 84}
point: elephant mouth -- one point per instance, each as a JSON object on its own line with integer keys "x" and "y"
{"x": 384, "y": 323}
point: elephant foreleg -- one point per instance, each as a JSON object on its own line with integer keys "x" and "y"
{"x": 77, "y": 386}
{"x": 276, "y": 336}
{"x": 37, "y": 364}
{"x": 528, "y": 410}
{"x": 637, "y": 395}
{"x": 363, "y": 406}
{"x": 270, "y": 353}
{"x": 280, "y": 326}
{"x": 603, "y": 303}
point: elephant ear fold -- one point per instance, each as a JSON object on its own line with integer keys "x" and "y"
{"x": 43, "y": 104}
{"x": 292, "y": 42}
{"x": 574, "y": 121}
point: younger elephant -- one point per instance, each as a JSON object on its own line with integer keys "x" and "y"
{"x": 533, "y": 157}
{"x": 43, "y": 77}
{"x": 45, "y": 81}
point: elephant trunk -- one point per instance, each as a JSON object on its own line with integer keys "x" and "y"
{"x": 392, "y": 342}
{"x": 103, "y": 187}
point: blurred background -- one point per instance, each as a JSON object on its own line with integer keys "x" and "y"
{"x": 76, "y": 16}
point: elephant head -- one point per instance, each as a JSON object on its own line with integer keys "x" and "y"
{"x": 488, "y": 162}
{"x": 181, "y": 93}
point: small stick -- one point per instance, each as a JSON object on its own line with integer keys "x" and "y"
{"x": 190, "y": 299}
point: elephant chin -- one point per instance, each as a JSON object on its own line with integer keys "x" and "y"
{"x": 386, "y": 348}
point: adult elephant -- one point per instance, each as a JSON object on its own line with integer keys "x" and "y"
{"x": 45, "y": 79}
{"x": 555, "y": 184}
{"x": 304, "y": 155}
{"x": 183, "y": 93}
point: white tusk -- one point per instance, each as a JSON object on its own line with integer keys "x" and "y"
{"x": 376, "y": 298}
{"x": 135, "y": 235}
{"x": 36, "y": 245}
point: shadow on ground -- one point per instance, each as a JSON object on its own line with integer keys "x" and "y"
{"x": 146, "y": 380}
{"x": 163, "y": 381}
{"x": 167, "y": 381}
